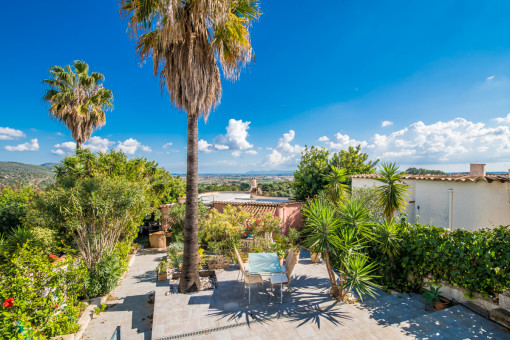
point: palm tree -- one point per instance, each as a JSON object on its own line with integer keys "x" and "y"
{"x": 187, "y": 40}
{"x": 335, "y": 187}
{"x": 392, "y": 194}
{"x": 78, "y": 99}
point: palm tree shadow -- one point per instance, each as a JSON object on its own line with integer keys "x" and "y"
{"x": 301, "y": 303}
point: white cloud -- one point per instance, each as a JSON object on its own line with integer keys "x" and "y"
{"x": 58, "y": 152}
{"x": 324, "y": 139}
{"x": 7, "y": 133}
{"x": 342, "y": 142}
{"x": 251, "y": 152}
{"x": 285, "y": 153}
{"x": 129, "y": 146}
{"x": 204, "y": 146}
{"x": 33, "y": 145}
{"x": 236, "y": 153}
{"x": 59, "y": 134}
{"x": 235, "y": 138}
{"x": 490, "y": 78}
{"x": 221, "y": 147}
{"x": 167, "y": 145}
{"x": 455, "y": 141}
{"x": 386, "y": 123}
{"x": 503, "y": 120}
{"x": 98, "y": 144}
{"x": 67, "y": 146}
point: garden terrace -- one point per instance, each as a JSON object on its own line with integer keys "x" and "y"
{"x": 307, "y": 312}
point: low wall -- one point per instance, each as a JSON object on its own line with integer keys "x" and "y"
{"x": 488, "y": 307}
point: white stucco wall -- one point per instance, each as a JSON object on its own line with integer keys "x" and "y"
{"x": 475, "y": 205}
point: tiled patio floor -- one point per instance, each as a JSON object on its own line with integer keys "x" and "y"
{"x": 307, "y": 312}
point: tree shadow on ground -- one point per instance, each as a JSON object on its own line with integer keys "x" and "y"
{"x": 300, "y": 303}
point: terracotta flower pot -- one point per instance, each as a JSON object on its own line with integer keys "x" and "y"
{"x": 281, "y": 261}
{"x": 162, "y": 276}
{"x": 316, "y": 258}
{"x": 440, "y": 305}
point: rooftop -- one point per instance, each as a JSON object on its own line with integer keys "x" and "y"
{"x": 447, "y": 177}
{"x": 240, "y": 197}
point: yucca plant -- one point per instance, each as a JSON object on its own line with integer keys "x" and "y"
{"x": 339, "y": 234}
{"x": 336, "y": 189}
{"x": 393, "y": 192}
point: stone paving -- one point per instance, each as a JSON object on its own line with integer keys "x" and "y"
{"x": 307, "y": 312}
{"x": 131, "y": 309}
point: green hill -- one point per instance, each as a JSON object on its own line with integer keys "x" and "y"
{"x": 12, "y": 173}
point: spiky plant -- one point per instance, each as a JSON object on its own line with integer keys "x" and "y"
{"x": 336, "y": 188}
{"x": 187, "y": 40}
{"x": 393, "y": 192}
{"x": 78, "y": 99}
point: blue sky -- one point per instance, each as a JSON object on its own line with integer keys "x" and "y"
{"x": 420, "y": 83}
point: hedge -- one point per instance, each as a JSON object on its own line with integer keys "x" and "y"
{"x": 475, "y": 260}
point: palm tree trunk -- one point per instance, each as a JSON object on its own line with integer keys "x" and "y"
{"x": 78, "y": 145}
{"x": 190, "y": 280}
{"x": 335, "y": 290}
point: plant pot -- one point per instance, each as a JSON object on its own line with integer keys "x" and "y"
{"x": 296, "y": 256}
{"x": 162, "y": 276}
{"x": 245, "y": 259}
{"x": 218, "y": 266}
{"x": 281, "y": 261}
{"x": 316, "y": 258}
{"x": 440, "y": 305}
{"x": 181, "y": 200}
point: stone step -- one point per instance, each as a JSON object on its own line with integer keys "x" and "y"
{"x": 453, "y": 323}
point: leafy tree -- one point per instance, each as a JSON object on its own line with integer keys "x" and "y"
{"x": 14, "y": 204}
{"x": 421, "y": 171}
{"x": 309, "y": 179}
{"x": 392, "y": 193}
{"x": 99, "y": 212}
{"x": 187, "y": 40}
{"x": 353, "y": 161}
{"x": 78, "y": 99}
{"x": 371, "y": 202}
{"x": 315, "y": 167}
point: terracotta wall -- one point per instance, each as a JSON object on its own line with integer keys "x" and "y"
{"x": 289, "y": 213}
{"x": 292, "y": 216}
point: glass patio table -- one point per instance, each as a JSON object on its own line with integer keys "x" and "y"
{"x": 263, "y": 263}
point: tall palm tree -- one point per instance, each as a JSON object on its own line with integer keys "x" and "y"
{"x": 187, "y": 40}
{"x": 336, "y": 188}
{"x": 393, "y": 192}
{"x": 78, "y": 99}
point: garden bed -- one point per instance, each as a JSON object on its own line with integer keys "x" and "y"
{"x": 208, "y": 280}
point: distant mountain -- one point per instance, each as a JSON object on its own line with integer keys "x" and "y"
{"x": 271, "y": 172}
{"x": 12, "y": 173}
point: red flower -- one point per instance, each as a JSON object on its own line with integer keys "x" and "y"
{"x": 8, "y": 303}
{"x": 53, "y": 256}
{"x": 56, "y": 306}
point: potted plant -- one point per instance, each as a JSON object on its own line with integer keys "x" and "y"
{"x": 294, "y": 236}
{"x": 432, "y": 298}
{"x": 162, "y": 271}
{"x": 281, "y": 255}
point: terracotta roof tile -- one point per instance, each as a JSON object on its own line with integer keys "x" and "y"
{"x": 453, "y": 178}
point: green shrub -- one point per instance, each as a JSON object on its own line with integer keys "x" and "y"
{"x": 106, "y": 273}
{"x": 474, "y": 260}
{"x": 14, "y": 204}
{"x": 44, "y": 294}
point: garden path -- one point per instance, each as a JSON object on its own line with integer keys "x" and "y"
{"x": 130, "y": 308}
